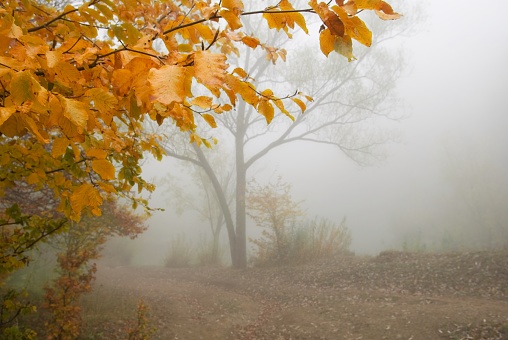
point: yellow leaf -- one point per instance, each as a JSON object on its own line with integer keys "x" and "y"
{"x": 210, "y": 70}
{"x": 231, "y": 18}
{"x": 107, "y": 187}
{"x": 53, "y": 58}
{"x": 357, "y": 30}
{"x": 280, "y": 106}
{"x": 5, "y": 113}
{"x": 96, "y": 153}
{"x": 300, "y": 103}
{"x": 295, "y": 16}
{"x": 368, "y": 4}
{"x": 21, "y": 87}
{"x": 59, "y": 147}
{"x": 167, "y": 84}
{"x": 222, "y": 108}
{"x": 241, "y": 72}
{"x": 75, "y": 111}
{"x": 202, "y": 101}
{"x": 121, "y": 81}
{"x": 266, "y": 109}
{"x": 104, "y": 168}
{"x": 41, "y": 135}
{"x": 103, "y": 100}
{"x": 209, "y": 119}
{"x": 233, "y": 5}
{"x": 12, "y": 63}
{"x": 267, "y": 93}
{"x": 326, "y": 41}
{"x": 84, "y": 196}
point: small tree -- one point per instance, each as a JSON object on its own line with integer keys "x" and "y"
{"x": 273, "y": 209}
{"x": 285, "y": 238}
{"x": 77, "y": 248}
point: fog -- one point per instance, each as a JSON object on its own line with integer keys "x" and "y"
{"x": 452, "y": 96}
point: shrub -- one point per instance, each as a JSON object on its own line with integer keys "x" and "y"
{"x": 312, "y": 240}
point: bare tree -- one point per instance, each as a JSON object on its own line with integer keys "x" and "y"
{"x": 351, "y": 102}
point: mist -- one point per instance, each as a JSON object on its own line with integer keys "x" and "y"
{"x": 452, "y": 109}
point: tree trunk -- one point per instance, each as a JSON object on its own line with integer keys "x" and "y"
{"x": 223, "y": 204}
{"x": 241, "y": 183}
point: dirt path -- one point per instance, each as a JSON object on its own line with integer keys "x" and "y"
{"x": 371, "y": 298}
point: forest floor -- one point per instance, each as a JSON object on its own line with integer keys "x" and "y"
{"x": 395, "y": 295}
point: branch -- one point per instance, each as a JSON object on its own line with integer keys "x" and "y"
{"x": 217, "y": 16}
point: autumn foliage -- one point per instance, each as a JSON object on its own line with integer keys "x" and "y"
{"x": 78, "y": 83}
{"x": 82, "y": 81}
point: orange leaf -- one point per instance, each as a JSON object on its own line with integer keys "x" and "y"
{"x": 167, "y": 84}
{"x": 386, "y": 12}
{"x": 121, "y": 82}
{"x": 329, "y": 18}
{"x": 250, "y": 41}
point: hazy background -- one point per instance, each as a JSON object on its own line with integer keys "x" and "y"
{"x": 454, "y": 96}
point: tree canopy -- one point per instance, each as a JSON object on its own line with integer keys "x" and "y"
{"x": 77, "y": 84}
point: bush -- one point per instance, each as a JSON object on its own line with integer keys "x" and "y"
{"x": 312, "y": 240}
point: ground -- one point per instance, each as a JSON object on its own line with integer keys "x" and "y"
{"x": 392, "y": 296}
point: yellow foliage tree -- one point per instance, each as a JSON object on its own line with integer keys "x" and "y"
{"x": 77, "y": 84}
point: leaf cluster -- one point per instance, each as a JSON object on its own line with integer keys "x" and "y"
{"x": 76, "y": 84}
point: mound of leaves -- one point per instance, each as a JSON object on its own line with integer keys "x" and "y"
{"x": 482, "y": 274}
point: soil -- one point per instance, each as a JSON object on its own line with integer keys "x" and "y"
{"x": 395, "y": 295}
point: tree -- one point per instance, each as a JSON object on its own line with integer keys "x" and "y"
{"x": 359, "y": 97}
{"x": 286, "y": 238}
{"x": 77, "y": 248}
{"x": 273, "y": 208}
{"x": 76, "y": 84}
